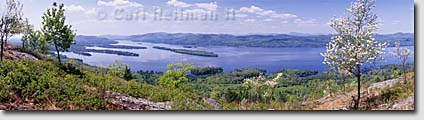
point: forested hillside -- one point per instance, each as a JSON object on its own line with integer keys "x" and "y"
{"x": 276, "y": 40}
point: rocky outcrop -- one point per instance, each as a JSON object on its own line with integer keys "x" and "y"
{"x": 212, "y": 103}
{"x": 343, "y": 101}
{"x": 13, "y": 54}
{"x": 401, "y": 104}
{"x": 126, "y": 102}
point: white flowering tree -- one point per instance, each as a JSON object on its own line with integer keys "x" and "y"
{"x": 402, "y": 54}
{"x": 257, "y": 85}
{"x": 354, "y": 44}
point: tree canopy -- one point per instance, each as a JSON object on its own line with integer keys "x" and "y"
{"x": 55, "y": 31}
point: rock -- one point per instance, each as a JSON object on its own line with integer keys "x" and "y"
{"x": 212, "y": 103}
{"x": 403, "y": 104}
{"x": 16, "y": 55}
{"x": 132, "y": 103}
{"x": 2, "y": 106}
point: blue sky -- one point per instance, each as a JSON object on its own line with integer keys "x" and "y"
{"x": 101, "y": 17}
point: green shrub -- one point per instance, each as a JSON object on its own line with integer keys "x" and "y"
{"x": 66, "y": 86}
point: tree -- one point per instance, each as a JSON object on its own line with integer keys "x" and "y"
{"x": 9, "y": 22}
{"x": 176, "y": 76}
{"x": 402, "y": 55}
{"x": 354, "y": 44}
{"x": 118, "y": 69}
{"x": 27, "y": 30}
{"x": 33, "y": 39}
{"x": 257, "y": 86}
{"x": 55, "y": 31}
{"x": 128, "y": 74}
{"x": 38, "y": 42}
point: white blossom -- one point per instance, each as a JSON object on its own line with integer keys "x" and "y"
{"x": 354, "y": 43}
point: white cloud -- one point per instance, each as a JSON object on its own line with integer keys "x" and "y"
{"x": 212, "y": 6}
{"x": 74, "y": 8}
{"x": 305, "y": 22}
{"x": 268, "y": 13}
{"x": 91, "y": 11}
{"x": 283, "y": 16}
{"x": 119, "y": 3}
{"x": 208, "y": 6}
{"x": 251, "y": 9}
{"x": 177, "y": 3}
{"x": 79, "y": 8}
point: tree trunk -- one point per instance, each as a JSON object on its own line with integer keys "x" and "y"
{"x": 344, "y": 82}
{"x": 23, "y": 45}
{"x": 404, "y": 72}
{"x": 57, "y": 52}
{"x": 358, "y": 78}
{"x": 2, "y": 48}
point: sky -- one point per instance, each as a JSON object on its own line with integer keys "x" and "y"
{"x": 130, "y": 17}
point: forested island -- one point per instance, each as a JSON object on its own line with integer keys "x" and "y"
{"x": 188, "y": 52}
{"x": 82, "y": 42}
{"x": 82, "y": 50}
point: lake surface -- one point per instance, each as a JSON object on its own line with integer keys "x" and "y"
{"x": 230, "y": 58}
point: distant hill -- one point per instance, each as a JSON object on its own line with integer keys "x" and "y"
{"x": 262, "y": 40}
{"x": 273, "y": 40}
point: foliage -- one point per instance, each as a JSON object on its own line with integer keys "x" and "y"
{"x": 198, "y": 71}
{"x": 354, "y": 45}
{"x": 176, "y": 76}
{"x": 148, "y": 77}
{"x": 27, "y": 29}
{"x": 33, "y": 39}
{"x": 10, "y": 22}
{"x": 235, "y": 77}
{"x": 127, "y": 74}
{"x": 55, "y": 31}
{"x": 117, "y": 69}
{"x": 67, "y": 86}
{"x": 398, "y": 91}
{"x": 402, "y": 55}
{"x": 391, "y": 94}
{"x": 44, "y": 82}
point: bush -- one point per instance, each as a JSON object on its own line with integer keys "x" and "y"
{"x": 46, "y": 82}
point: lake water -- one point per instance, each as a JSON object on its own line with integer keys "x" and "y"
{"x": 230, "y": 58}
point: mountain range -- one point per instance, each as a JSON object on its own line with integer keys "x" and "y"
{"x": 261, "y": 40}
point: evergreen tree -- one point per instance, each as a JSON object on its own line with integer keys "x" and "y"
{"x": 127, "y": 73}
